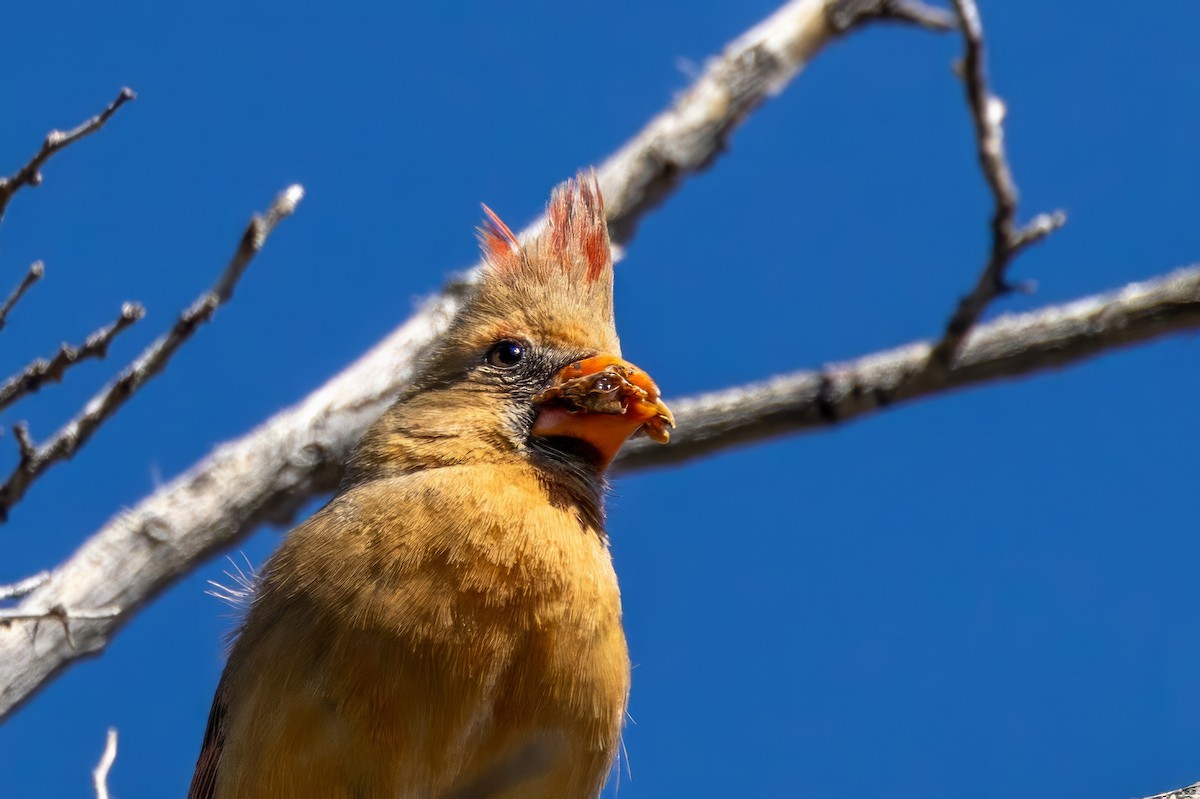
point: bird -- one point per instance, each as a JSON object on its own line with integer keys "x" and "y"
{"x": 449, "y": 625}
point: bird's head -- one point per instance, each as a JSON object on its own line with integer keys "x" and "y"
{"x": 531, "y": 366}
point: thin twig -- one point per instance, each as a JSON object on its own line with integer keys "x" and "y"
{"x": 42, "y": 371}
{"x": 987, "y": 116}
{"x": 100, "y": 774}
{"x": 67, "y": 441}
{"x": 36, "y": 270}
{"x": 23, "y": 588}
{"x": 31, "y": 175}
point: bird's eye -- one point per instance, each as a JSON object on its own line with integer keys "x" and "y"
{"x": 506, "y": 354}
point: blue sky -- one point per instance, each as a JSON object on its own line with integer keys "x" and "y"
{"x": 992, "y": 589}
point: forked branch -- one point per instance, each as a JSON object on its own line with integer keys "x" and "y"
{"x": 35, "y": 460}
{"x": 1008, "y": 240}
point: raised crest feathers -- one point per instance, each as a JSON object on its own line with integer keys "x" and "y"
{"x": 575, "y": 236}
{"x": 576, "y": 224}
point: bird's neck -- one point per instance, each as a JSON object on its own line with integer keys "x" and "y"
{"x": 426, "y": 433}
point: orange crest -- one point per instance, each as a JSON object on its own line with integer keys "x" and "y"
{"x": 575, "y": 236}
{"x": 577, "y": 226}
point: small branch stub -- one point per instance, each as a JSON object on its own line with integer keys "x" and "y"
{"x": 35, "y": 273}
{"x": 107, "y": 758}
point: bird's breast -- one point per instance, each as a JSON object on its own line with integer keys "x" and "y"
{"x": 466, "y": 629}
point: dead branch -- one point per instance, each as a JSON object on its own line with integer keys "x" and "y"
{"x": 66, "y": 442}
{"x": 31, "y": 174}
{"x": 1008, "y": 240}
{"x": 35, "y": 273}
{"x": 42, "y": 371}
{"x": 1017, "y": 345}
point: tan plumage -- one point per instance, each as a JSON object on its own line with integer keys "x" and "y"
{"x": 449, "y": 625}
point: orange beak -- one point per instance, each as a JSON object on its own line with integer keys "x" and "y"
{"x": 603, "y": 401}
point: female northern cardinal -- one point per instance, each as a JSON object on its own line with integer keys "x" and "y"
{"x": 449, "y": 625}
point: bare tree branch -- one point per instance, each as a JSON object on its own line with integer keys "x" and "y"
{"x": 31, "y": 175}
{"x": 1016, "y": 345}
{"x": 35, "y": 273}
{"x": 67, "y": 441}
{"x": 267, "y": 474}
{"x": 100, "y": 774}
{"x": 41, "y": 371}
{"x": 987, "y": 115}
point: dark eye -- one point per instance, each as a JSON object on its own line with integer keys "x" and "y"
{"x": 506, "y": 354}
